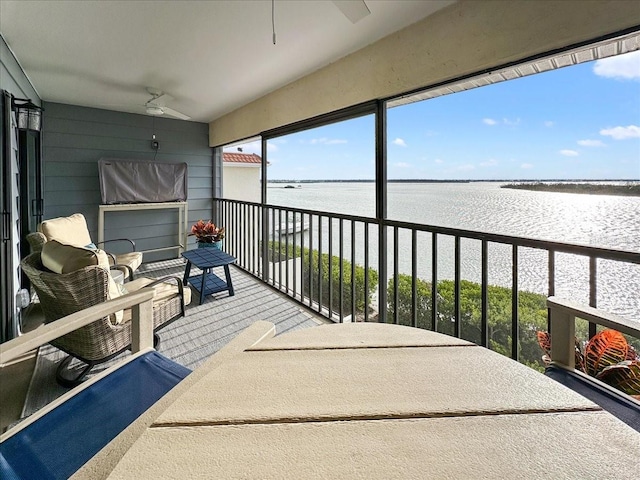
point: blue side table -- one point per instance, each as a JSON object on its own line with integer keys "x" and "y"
{"x": 206, "y": 259}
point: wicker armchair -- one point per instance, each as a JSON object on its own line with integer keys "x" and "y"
{"x": 61, "y": 294}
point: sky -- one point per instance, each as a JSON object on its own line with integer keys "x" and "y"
{"x": 577, "y": 122}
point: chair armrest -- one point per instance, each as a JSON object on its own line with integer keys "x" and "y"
{"x": 36, "y": 241}
{"x": 563, "y": 314}
{"x": 140, "y": 302}
{"x": 133, "y": 244}
{"x": 128, "y": 269}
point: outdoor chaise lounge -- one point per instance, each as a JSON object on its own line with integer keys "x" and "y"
{"x": 73, "y": 230}
{"x": 69, "y": 279}
{"x": 351, "y": 400}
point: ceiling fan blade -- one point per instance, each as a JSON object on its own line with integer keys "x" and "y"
{"x": 173, "y": 113}
{"x": 354, "y": 10}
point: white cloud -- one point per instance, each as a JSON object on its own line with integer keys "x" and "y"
{"x": 492, "y": 162}
{"x": 505, "y": 121}
{"x": 465, "y": 167}
{"x": 549, "y": 123}
{"x": 438, "y": 160}
{"x": 620, "y": 67}
{"x": 526, "y": 165}
{"x": 591, "y": 143}
{"x": 622, "y": 133}
{"x": 400, "y": 142}
{"x": 569, "y": 153}
{"x": 511, "y": 122}
{"x": 402, "y": 165}
{"x": 326, "y": 141}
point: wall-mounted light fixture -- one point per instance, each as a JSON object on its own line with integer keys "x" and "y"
{"x": 28, "y": 114}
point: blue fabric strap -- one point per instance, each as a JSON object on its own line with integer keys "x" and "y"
{"x": 58, "y": 444}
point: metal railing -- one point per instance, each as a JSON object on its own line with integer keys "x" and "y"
{"x": 324, "y": 261}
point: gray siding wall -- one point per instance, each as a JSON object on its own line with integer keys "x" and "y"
{"x": 75, "y": 138}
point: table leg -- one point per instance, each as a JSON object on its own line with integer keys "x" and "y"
{"x": 227, "y": 276}
{"x": 187, "y": 270}
{"x": 204, "y": 278}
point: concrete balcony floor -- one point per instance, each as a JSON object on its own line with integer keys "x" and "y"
{"x": 189, "y": 341}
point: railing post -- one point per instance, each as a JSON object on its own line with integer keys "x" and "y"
{"x": 142, "y": 326}
{"x": 484, "y": 310}
{"x": 381, "y": 206}
{"x": 264, "y": 238}
{"x": 593, "y": 291}
{"x": 563, "y": 332}
{"x": 264, "y": 234}
{"x": 382, "y": 273}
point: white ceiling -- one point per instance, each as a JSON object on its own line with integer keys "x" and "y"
{"x": 211, "y": 56}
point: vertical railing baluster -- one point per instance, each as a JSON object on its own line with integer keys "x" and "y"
{"x": 552, "y": 283}
{"x": 414, "y": 277}
{"x": 341, "y": 284}
{"x": 515, "y": 324}
{"x": 396, "y": 279}
{"x": 295, "y": 254}
{"x": 457, "y": 326}
{"x": 286, "y": 226}
{"x": 236, "y": 228}
{"x": 593, "y": 291}
{"x": 273, "y": 246}
{"x": 366, "y": 271}
{"x": 330, "y": 268}
{"x": 382, "y": 271}
{"x": 254, "y": 244}
{"x": 484, "y": 311}
{"x": 264, "y": 242}
{"x": 227, "y": 224}
{"x": 310, "y": 259}
{"x": 286, "y": 251}
{"x": 353, "y": 271}
{"x": 320, "y": 263}
{"x": 434, "y": 281}
{"x": 245, "y": 236}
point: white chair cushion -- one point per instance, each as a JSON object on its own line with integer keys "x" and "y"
{"x": 162, "y": 291}
{"x": 70, "y": 230}
{"x": 132, "y": 259}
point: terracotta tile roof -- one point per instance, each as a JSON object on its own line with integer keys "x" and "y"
{"x": 241, "y": 157}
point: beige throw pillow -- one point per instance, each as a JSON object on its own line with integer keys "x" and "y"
{"x": 61, "y": 258}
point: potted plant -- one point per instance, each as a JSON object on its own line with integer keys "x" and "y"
{"x": 607, "y": 356}
{"x": 207, "y": 234}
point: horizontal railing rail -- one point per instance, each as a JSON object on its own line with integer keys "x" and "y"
{"x": 324, "y": 261}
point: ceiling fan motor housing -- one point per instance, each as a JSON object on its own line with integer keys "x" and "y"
{"x": 154, "y": 110}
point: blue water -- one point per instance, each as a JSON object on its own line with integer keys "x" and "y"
{"x": 596, "y": 220}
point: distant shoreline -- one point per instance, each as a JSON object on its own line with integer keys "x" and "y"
{"x": 628, "y": 190}
{"x": 431, "y": 180}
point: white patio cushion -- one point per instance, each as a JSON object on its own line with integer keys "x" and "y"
{"x": 132, "y": 259}
{"x": 70, "y": 230}
{"x": 162, "y": 291}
